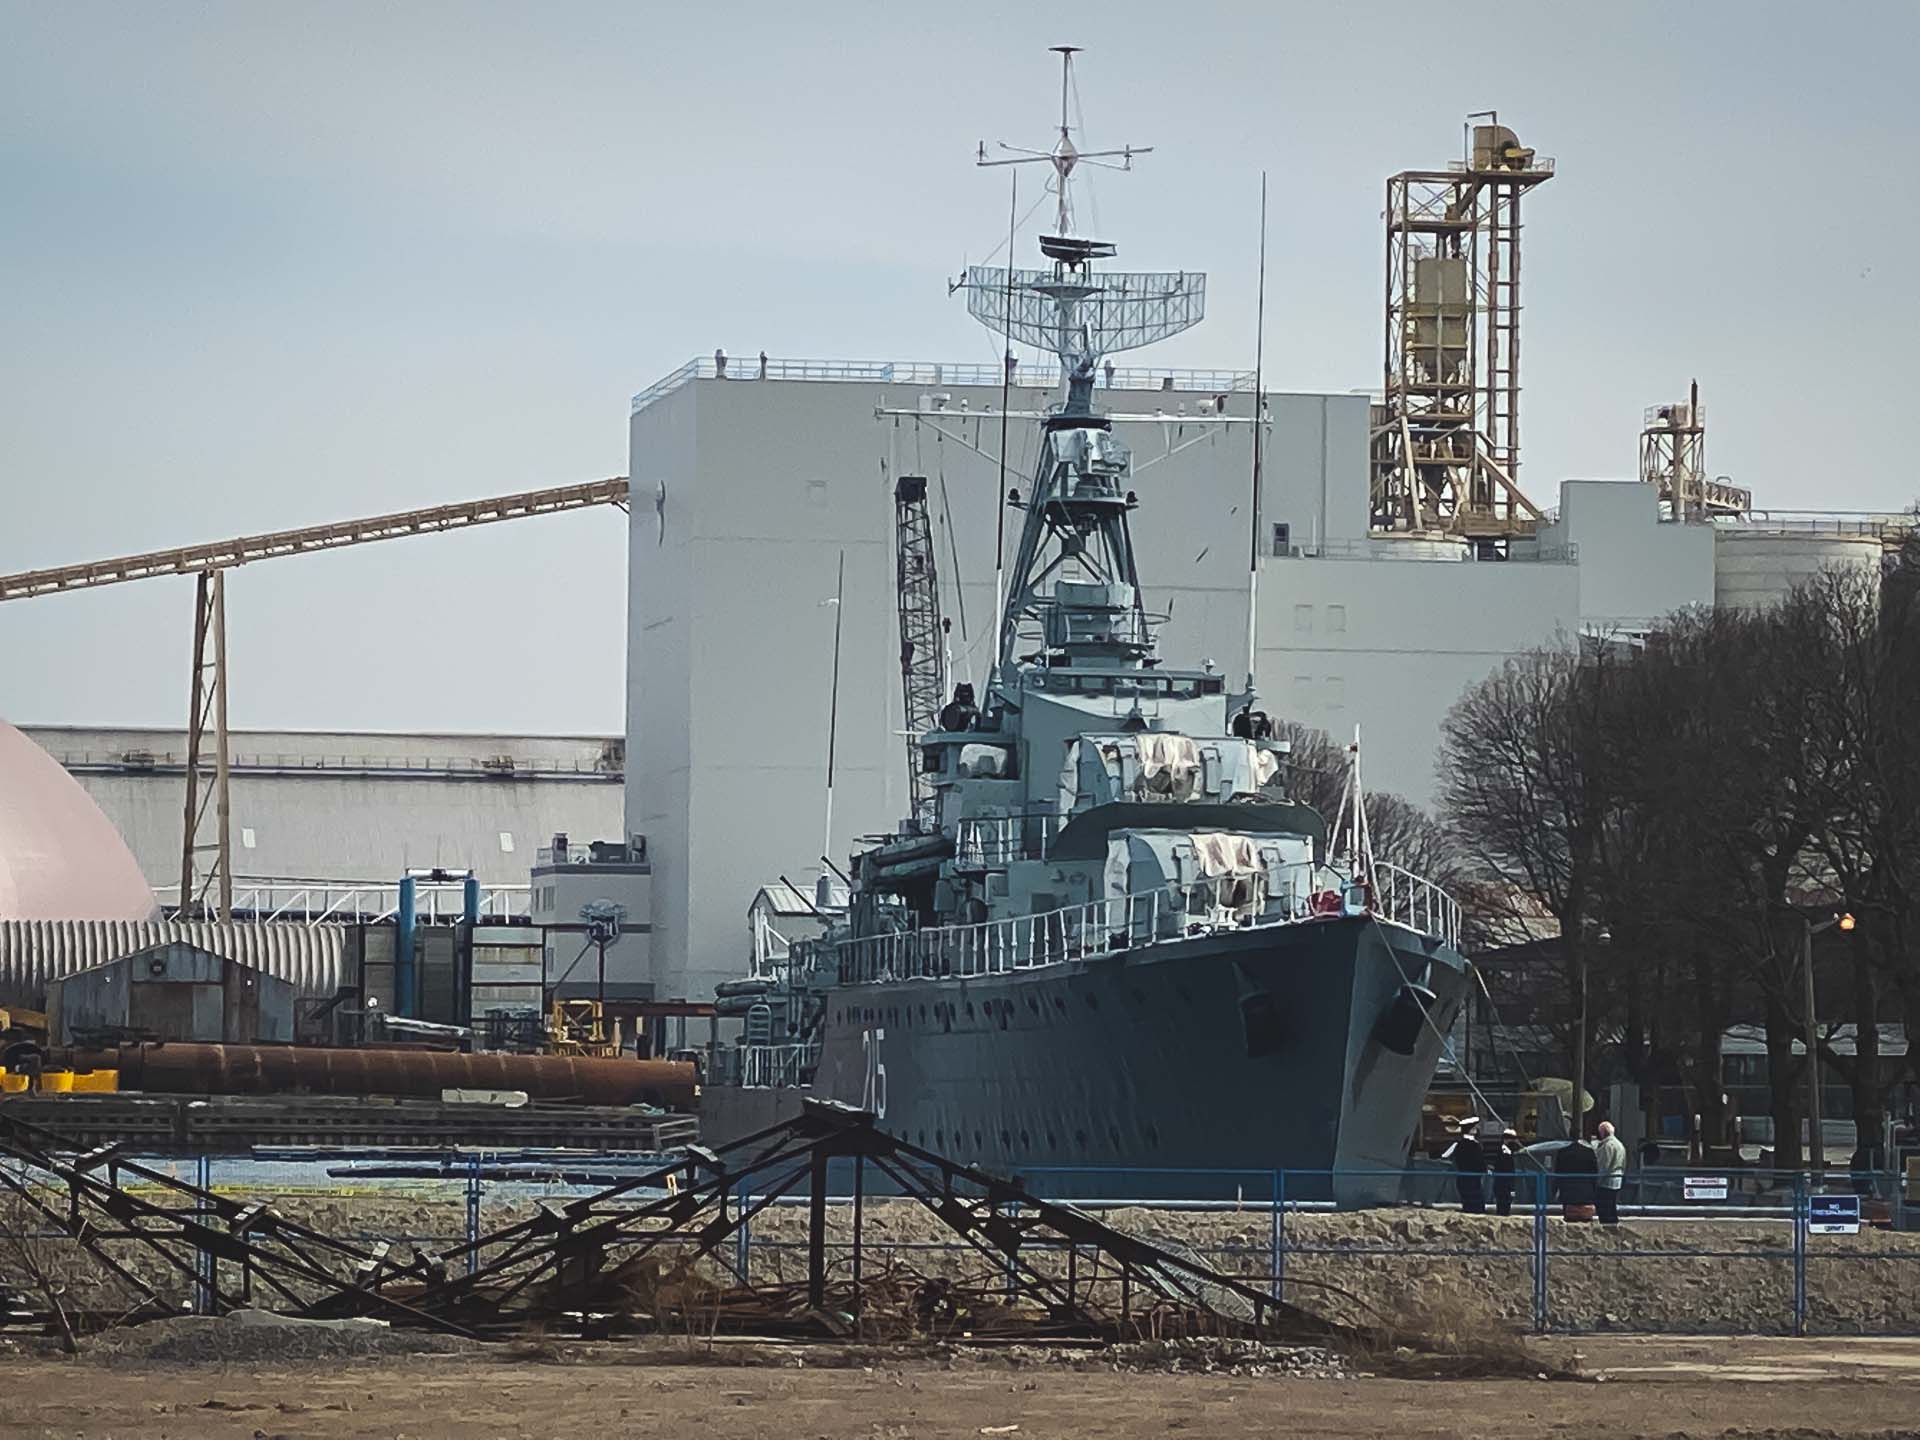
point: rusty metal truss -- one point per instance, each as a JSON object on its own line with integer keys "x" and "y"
{"x": 659, "y": 1250}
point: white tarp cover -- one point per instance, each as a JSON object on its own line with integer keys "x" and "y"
{"x": 1169, "y": 764}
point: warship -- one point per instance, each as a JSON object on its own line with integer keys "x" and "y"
{"x": 1107, "y": 952}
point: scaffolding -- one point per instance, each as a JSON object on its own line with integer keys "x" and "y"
{"x": 1446, "y": 440}
{"x": 1673, "y": 457}
{"x": 923, "y": 666}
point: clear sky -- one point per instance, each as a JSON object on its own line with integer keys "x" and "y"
{"x": 264, "y": 265}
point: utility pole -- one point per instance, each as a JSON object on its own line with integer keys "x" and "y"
{"x": 1578, "y": 1128}
{"x": 1816, "y": 1140}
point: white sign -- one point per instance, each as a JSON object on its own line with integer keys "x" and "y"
{"x": 1703, "y": 1187}
{"x": 1833, "y": 1214}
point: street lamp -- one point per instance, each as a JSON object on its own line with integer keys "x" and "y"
{"x": 1816, "y": 1139}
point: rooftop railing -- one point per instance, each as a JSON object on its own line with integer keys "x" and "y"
{"x": 1425, "y": 552}
{"x": 1043, "y": 375}
{"x": 498, "y": 766}
{"x": 344, "y": 902}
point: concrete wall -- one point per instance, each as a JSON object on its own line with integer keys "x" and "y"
{"x": 1633, "y": 568}
{"x": 329, "y": 806}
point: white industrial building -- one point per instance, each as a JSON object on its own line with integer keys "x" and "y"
{"x": 748, "y": 487}
{"x": 354, "y": 807}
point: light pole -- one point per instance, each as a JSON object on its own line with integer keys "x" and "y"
{"x": 1816, "y": 1139}
{"x": 1578, "y": 1130}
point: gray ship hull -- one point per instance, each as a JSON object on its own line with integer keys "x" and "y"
{"x": 1193, "y": 1067}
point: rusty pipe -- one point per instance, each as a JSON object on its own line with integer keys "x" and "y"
{"x": 195, "y": 1069}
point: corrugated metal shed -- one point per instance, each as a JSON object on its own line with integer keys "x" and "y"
{"x": 35, "y": 952}
{"x": 174, "y": 991}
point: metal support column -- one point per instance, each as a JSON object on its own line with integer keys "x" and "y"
{"x": 473, "y": 1214}
{"x": 743, "y": 1237}
{"x": 205, "y": 1276}
{"x": 817, "y": 1231}
{"x": 859, "y": 1195}
{"x": 1540, "y": 1316}
{"x": 1801, "y": 1202}
{"x": 206, "y": 868}
{"x": 1279, "y": 1235}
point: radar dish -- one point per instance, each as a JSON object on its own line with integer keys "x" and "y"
{"x": 1078, "y": 315}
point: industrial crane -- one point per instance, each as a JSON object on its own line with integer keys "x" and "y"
{"x": 206, "y": 889}
{"x": 923, "y": 659}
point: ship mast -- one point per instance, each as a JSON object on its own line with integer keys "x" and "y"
{"x": 1076, "y": 506}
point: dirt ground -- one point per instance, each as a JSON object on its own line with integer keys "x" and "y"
{"x": 1783, "y": 1389}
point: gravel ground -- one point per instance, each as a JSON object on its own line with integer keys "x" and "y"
{"x": 243, "y": 1339}
{"x": 1721, "y": 1390}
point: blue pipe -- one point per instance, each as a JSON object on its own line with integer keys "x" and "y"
{"x": 404, "y": 998}
{"x": 470, "y": 900}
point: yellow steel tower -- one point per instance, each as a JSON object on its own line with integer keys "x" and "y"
{"x": 1446, "y": 449}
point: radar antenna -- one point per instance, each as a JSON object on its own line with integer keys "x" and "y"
{"x": 1067, "y": 309}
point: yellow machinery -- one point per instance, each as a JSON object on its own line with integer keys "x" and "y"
{"x": 580, "y": 1027}
{"x": 62, "y": 1082}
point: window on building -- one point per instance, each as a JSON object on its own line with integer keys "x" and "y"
{"x": 1302, "y": 693}
{"x": 1336, "y": 618}
{"x": 1282, "y": 539}
{"x": 246, "y": 837}
{"x": 506, "y": 842}
{"x": 1303, "y": 619}
{"x": 1334, "y": 694}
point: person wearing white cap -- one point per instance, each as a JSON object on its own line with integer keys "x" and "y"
{"x": 1501, "y": 1163}
{"x": 1469, "y": 1165}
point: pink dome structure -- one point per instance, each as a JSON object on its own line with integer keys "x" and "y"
{"x": 60, "y": 857}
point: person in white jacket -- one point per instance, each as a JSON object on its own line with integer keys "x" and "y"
{"x": 1612, "y": 1158}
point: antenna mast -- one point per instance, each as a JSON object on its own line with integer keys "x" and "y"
{"x": 1259, "y": 416}
{"x": 1080, "y": 316}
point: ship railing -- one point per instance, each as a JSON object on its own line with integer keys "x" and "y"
{"x": 1403, "y": 898}
{"x": 1296, "y": 894}
{"x": 769, "y": 1067}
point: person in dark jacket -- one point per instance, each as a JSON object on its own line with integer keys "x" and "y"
{"x": 1500, "y": 1162}
{"x": 1576, "y": 1176}
{"x": 1469, "y": 1165}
